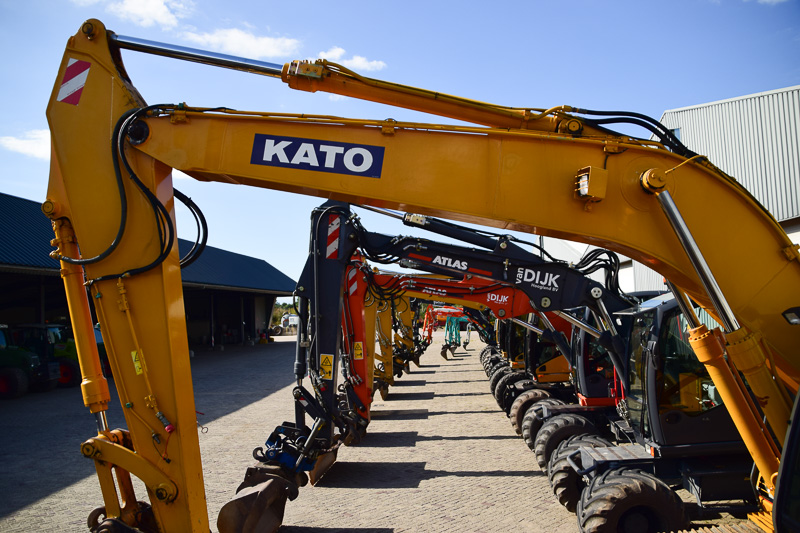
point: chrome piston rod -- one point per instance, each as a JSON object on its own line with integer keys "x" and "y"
{"x": 728, "y": 320}
{"x": 579, "y": 324}
{"x": 197, "y": 56}
{"x": 526, "y": 325}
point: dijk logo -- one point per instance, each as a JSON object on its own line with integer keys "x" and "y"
{"x": 540, "y": 280}
{"x": 497, "y": 298}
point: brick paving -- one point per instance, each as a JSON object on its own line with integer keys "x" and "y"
{"x": 439, "y": 455}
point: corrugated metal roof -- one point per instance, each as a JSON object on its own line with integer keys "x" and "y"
{"x": 26, "y": 245}
{"x": 754, "y": 138}
{"x": 227, "y": 269}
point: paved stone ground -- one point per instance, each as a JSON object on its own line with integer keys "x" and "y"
{"x": 439, "y": 455}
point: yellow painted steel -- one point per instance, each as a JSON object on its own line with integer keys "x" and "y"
{"x": 519, "y": 172}
{"x": 748, "y": 354}
{"x": 556, "y": 370}
{"x": 710, "y": 351}
{"x": 403, "y": 336}
{"x": 383, "y": 354}
{"x": 370, "y": 332}
{"x": 94, "y": 386}
{"x": 155, "y": 302}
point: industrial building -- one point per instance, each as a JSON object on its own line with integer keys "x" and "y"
{"x": 228, "y": 297}
{"x": 754, "y": 138}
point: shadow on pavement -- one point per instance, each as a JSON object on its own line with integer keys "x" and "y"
{"x": 43, "y": 432}
{"x": 402, "y": 439}
{"x": 466, "y": 394}
{"x": 398, "y": 475}
{"x": 300, "y": 529}
{"x": 410, "y": 382}
{"x": 400, "y": 414}
{"x": 400, "y": 396}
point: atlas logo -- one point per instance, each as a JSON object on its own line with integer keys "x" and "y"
{"x": 320, "y": 156}
{"x": 540, "y": 280}
{"x": 448, "y": 262}
{"x": 497, "y": 298}
{"x": 435, "y": 291}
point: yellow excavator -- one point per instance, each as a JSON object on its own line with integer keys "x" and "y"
{"x": 559, "y": 172}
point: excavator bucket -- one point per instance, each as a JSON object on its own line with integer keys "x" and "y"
{"x": 321, "y": 466}
{"x": 259, "y": 503}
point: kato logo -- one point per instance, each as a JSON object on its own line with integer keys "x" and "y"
{"x": 538, "y": 279}
{"x": 320, "y": 156}
{"x": 448, "y": 262}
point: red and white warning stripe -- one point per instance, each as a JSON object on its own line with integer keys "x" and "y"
{"x": 334, "y": 225}
{"x": 74, "y": 80}
{"x": 352, "y": 281}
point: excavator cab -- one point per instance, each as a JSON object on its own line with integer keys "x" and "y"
{"x": 684, "y": 435}
{"x": 672, "y": 400}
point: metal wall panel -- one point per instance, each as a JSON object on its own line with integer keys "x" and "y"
{"x": 647, "y": 279}
{"x": 754, "y": 138}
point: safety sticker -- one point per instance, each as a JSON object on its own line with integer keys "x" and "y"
{"x": 136, "y": 364}
{"x": 334, "y": 228}
{"x": 358, "y": 351}
{"x": 352, "y": 281}
{"x": 73, "y": 82}
{"x": 326, "y": 366}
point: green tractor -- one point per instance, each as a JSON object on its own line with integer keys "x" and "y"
{"x": 22, "y": 369}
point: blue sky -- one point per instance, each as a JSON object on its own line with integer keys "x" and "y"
{"x": 641, "y": 56}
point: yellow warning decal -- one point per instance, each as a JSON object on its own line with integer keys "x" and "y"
{"x": 326, "y": 366}
{"x": 136, "y": 364}
{"x": 358, "y": 351}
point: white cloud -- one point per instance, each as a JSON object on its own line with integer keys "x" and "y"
{"x": 772, "y": 2}
{"x": 361, "y": 63}
{"x": 34, "y": 143}
{"x": 85, "y": 3}
{"x": 164, "y": 13}
{"x": 242, "y": 43}
{"x": 334, "y": 54}
{"x": 357, "y": 63}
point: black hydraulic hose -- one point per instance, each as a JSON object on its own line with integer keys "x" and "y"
{"x": 123, "y": 200}
{"x": 166, "y": 230}
{"x": 668, "y": 140}
{"x": 202, "y": 229}
{"x": 666, "y": 131}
